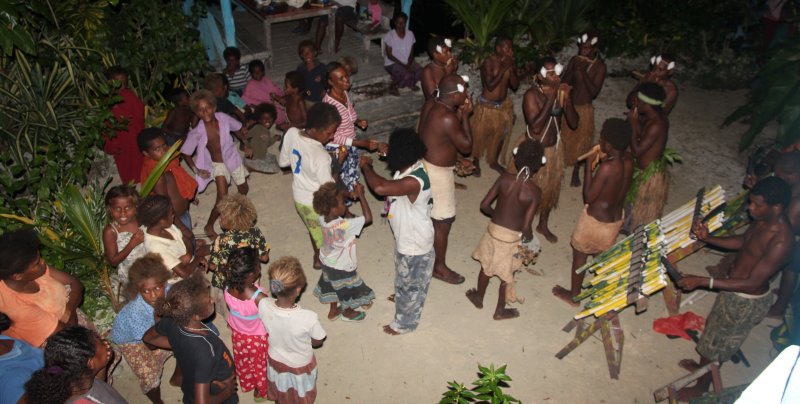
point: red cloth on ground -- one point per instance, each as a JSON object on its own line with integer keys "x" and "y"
{"x": 678, "y": 324}
{"x": 123, "y": 146}
{"x": 187, "y": 186}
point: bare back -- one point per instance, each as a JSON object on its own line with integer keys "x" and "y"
{"x": 652, "y": 141}
{"x": 515, "y": 198}
{"x": 296, "y": 110}
{"x": 534, "y": 104}
{"x": 431, "y": 75}
{"x": 609, "y": 186}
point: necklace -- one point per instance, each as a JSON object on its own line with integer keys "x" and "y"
{"x": 204, "y": 329}
{"x": 449, "y": 108}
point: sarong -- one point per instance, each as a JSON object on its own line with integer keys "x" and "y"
{"x": 497, "y": 253}
{"x": 491, "y": 125}
{"x": 311, "y": 221}
{"x": 402, "y": 77}
{"x": 345, "y": 287}
{"x": 147, "y": 365}
{"x": 250, "y": 356}
{"x": 651, "y": 195}
{"x": 549, "y": 177}
{"x": 292, "y": 385}
{"x": 443, "y": 191}
{"x": 592, "y": 236}
{"x": 579, "y": 140}
{"x": 348, "y": 171}
{"x": 729, "y": 322}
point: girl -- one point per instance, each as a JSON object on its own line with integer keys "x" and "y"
{"x": 293, "y": 333}
{"x": 249, "y": 337}
{"x": 260, "y": 89}
{"x": 122, "y": 238}
{"x": 147, "y": 283}
{"x": 155, "y": 213}
{"x": 339, "y": 284}
{"x": 197, "y": 347}
{"x": 72, "y": 359}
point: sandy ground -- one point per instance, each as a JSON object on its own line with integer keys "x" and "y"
{"x": 360, "y": 364}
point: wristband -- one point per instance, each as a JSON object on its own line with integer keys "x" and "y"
{"x": 711, "y": 282}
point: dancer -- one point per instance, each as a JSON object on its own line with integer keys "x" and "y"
{"x": 661, "y": 67}
{"x": 442, "y": 64}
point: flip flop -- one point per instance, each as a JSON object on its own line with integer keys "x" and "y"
{"x": 454, "y": 279}
{"x": 360, "y": 317}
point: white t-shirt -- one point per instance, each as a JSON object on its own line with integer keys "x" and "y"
{"x": 290, "y": 332}
{"x": 338, "y": 248}
{"x": 170, "y": 250}
{"x": 411, "y": 222}
{"x": 310, "y": 164}
{"x": 401, "y": 47}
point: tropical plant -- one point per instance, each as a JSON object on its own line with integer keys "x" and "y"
{"x": 554, "y": 24}
{"x": 482, "y": 19}
{"x": 775, "y": 96}
{"x": 161, "y": 166}
{"x": 488, "y": 388}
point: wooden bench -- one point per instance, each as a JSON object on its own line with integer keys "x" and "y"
{"x": 367, "y": 35}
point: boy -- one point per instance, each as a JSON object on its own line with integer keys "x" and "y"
{"x": 175, "y": 183}
{"x": 179, "y": 119}
{"x": 313, "y": 73}
{"x": 304, "y": 152}
{"x": 292, "y": 100}
{"x": 661, "y": 67}
{"x": 442, "y": 64}
{"x": 261, "y": 137}
{"x": 409, "y": 212}
{"x": 517, "y": 197}
{"x": 217, "y": 157}
{"x": 218, "y": 85}
{"x": 237, "y": 74}
{"x": 130, "y": 114}
{"x": 604, "y": 199}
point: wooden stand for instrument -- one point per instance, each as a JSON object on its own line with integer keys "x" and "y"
{"x": 611, "y": 334}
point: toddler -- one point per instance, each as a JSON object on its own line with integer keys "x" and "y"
{"x": 122, "y": 237}
{"x": 260, "y": 89}
{"x": 339, "y": 285}
{"x": 292, "y": 100}
{"x": 261, "y": 137}
{"x": 155, "y": 213}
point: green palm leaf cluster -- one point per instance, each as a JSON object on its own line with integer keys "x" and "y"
{"x": 488, "y": 388}
{"x": 482, "y": 20}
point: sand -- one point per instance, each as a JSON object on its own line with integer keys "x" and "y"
{"x": 360, "y": 364}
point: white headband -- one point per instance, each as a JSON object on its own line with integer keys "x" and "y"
{"x": 656, "y": 60}
{"x": 558, "y": 69}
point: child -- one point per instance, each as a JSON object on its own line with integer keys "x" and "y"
{"x": 293, "y": 333}
{"x": 375, "y": 15}
{"x": 236, "y": 73}
{"x": 18, "y": 361}
{"x": 217, "y": 157}
{"x": 73, "y": 357}
{"x": 122, "y": 238}
{"x": 217, "y": 83}
{"x": 261, "y": 137}
{"x": 313, "y": 73}
{"x": 293, "y": 102}
{"x": 179, "y": 118}
{"x": 304, "y": 150}
{"x": 238, "y": 220}
{"x": 206, "y": 362}
{"x": 242, "y": 295}
{"x": 260, "y": 89}
{"x": 155, "y": 213}
{"x": 517, "y": 197}
{"x": 129, "y": 113}
{"x": 339, "y": 284}
{"x": 174, "y": 183}
{"x": 147, "y": 283}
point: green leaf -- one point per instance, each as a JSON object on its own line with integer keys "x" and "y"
{"x": 159, "y": 169}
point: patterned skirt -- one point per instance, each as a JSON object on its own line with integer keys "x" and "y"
{"x": 344, "y": 287}
{"x": 288, "y": 385}
{"x": 147, "y": 365}
{"x": 250, "y": 355}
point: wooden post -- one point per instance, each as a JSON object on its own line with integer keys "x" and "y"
{"x": 610, "y": 331}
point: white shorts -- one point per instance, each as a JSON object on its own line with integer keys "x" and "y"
{"x": 239, "y": 175}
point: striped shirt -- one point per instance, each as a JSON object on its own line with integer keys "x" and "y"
{"x": 347, "y": 129}
{"x": 238, "y": 80}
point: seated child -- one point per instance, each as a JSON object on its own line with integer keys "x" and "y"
{"x": 179, "y": 119}
{"x": 313, "y": 73}
{"x": 339, "y": 284}
{"x": 242, "y": 295}
{"x": 260, "y": 89}
{"x": 18, "y": 361}
{"x": 208, "y": 370}
{"x": 498, "y": 251}
{"x": 217, "y": 84}
{"x": 293, "y": 332}
{"x": 261, "y": 137}
{"x": 174, "y": 183}
{"x": 155, "y": 213}
{"x": 235, "y": 72}
{"x": 122, "y": 238}
{"x": 304, "y": 152}
{"x": 217, "y": 157}
{"x": 293, "y": 102}
{"x": 399, "y": 56}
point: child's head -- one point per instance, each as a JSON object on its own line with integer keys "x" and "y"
{"x": 329, "y": 200}
{"x": 152, "y": 143}
{"x": 71, "y": 356}
{"x": 307, "y": 51}
{"x": 293, "y": 83}
{"x": 405, "y": 149}
{"x": 236, "y": 212}
{"x": 148, "y": 277}
{"x": 187, "y": 300}
{"x": 529, "y": 154}
{"x": 155, "y": 209}
{"x": 118, "y": 73}
{"x": 203, "y": 104}
{"x": 19, "y": 255}
{"x": 217, "y": 83}
{"x": 232, "y": 56}
{"x": 265, "y": 114}
{"x": 179, "y": 97}
{"x": 439, "y": 48}
{"x": 286, "y": 277}
{"x": 242, "y": 269}
{"x": 322, "y": 121}
{"x": 350, "y": 64}
{"x": 256, "y": 69}
{"x": 121, "y": 202}
{"x": 616, "y": 133}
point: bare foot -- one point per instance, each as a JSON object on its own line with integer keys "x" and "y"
{"x": 776, "y": 312}
{"x": 506, "y": 314}
{"x": 498, "y": 168}
{"x": 389, "y": 330}
{"x": 449, "y": 276}
{"x": 317, "y": 262}
{"x": 564, "y": 295}
{"x": 210, "y": 233}
{"x": 548, "y": 235}
{"x": 460, "y": 186}
{"x": 688, "y": 393}
{"x": 690, "y": 365}
{"x": 473, "y": 297}
{"x": 477, "y": 172}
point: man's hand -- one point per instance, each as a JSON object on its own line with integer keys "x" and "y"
{"x": 691, "y": 282}
{"x": 365, "y": 160}
{"x": 700, "y": 230}
{"x": 466, "y": 108}
{"x": 633, "y": 115}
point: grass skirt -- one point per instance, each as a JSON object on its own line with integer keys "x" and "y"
{"x": 548, "y": 178}
{"x": 651, "y": 196}
{"x": 490, "y": 128}
{"x": 578, "y": 141}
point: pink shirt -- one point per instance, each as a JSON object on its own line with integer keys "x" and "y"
{"x": 347, "y": 129}
{"x": 375, "y": 11}
{"x": 197, "y": 139}
{"x": 260, "y": 91}
{"x": 243, "y": 317}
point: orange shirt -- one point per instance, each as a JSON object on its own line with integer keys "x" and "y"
{"x": 187, "y": 186}
{"x": 34, "y": 316}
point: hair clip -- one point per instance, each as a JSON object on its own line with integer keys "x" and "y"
{"x": 276, "y": 286}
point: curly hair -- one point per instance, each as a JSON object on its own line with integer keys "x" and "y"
{"x": 405, "y": 149}
{"x": 153, "y": 209}
{"x": 322, "y": 115}
{"x": 185, "y": 299}
{"x": 18, "y": 250}
{"x": 147, "y": 135}
{"x": 241, "y": 263}
{"x": 295, "y": 79}
{"x": 66, "y": 358}
{"x": 237, "y": 211}
{"x": 205, "y": 95}
{"x": 232, "y": 51}
{"x": 326, "y": 198}
{"x": 149, "y": 266}
{"x": 286, "y": 274}
{"x": 255, "y": 64}
{"x": 617, "y": 132}
{"x": 305, "y": 44}
{"x": 774, "y": 190}
{"x": 122, "y": 191}
{"x": 529, "y": 154}
{"x": 264, "y": 108}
